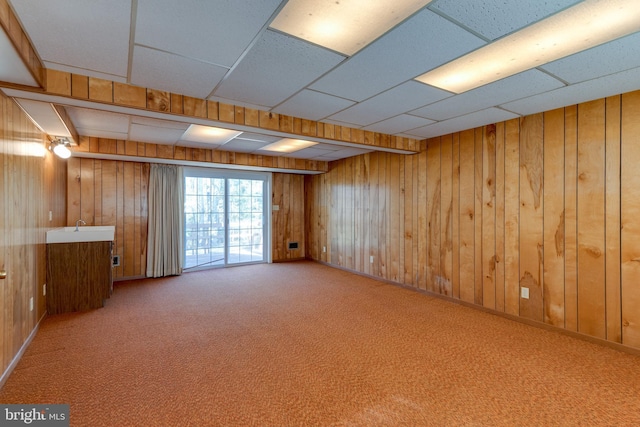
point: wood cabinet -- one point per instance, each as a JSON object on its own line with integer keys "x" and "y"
{"x": 79, "y": 276}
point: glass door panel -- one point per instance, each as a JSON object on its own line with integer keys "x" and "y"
{"x": 224, "y": 219}
{"x": 246, "y": 213}
{"x": 204, "y": 225}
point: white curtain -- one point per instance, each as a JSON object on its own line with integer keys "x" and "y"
{"x": 166, "y": 201}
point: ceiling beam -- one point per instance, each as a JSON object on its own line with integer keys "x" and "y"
{"x": 220, "y": 114}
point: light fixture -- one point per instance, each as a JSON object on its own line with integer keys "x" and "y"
{"x": 343, "y": 26}
{"x": 60, "y": 146}
{"x": 588, "y": 24}
{"x": 209, "y": 134}
{"x": 288, "y": 145}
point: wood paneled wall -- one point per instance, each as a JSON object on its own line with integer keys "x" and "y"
{"x": 31, "y": 185}
{"x": 287, "y": 222}
{"x": 549, "y": 202}
{"x": 110, "y": 192}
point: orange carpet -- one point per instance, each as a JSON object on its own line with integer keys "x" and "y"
{"x": 302, "y": 344}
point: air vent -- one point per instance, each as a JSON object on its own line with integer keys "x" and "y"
{"x": 293, "y": 245}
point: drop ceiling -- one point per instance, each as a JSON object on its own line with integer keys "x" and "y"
{"x": 228, "y": 51}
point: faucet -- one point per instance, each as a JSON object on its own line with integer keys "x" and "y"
{"x": 78, "y": 222}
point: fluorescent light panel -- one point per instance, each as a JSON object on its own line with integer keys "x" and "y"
{"x": 288, "y": 145}
{"x": 588, "y": 24}
{"x": 343, "y": 26}
{"x": 209, "y": 134}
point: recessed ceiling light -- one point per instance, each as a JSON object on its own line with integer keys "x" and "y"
{"x": 588, "y": 24}
{"x": 288, "y": 145}
{"x": 209, "y": 134}
{"x": 343, "y": 26}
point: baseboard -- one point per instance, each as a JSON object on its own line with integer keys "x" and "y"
{"x": 614, "y": 345}
{"x": 7, "y": 372}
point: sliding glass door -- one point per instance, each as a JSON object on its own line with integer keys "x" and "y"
{"x": 225, "y": 217}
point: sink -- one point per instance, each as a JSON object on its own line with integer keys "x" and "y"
{"x": 85, "y": 233}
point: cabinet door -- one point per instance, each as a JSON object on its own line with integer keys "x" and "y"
{"x": 63, "y": 291}
{"x": 95, "y": 275}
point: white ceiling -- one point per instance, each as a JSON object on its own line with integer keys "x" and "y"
{"x": 226, "y": 51}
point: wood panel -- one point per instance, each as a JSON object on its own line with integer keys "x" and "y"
{"x": 571, "y": 218}
{"x": 630, "y": 202}
{"x": 512, "y": 218}
{"x": 433, "y": 210}
{"x": 531, "y": 215}
{"x": 467, "y": 216}
{"x": 288, "y": 222}
{"x": 489, "y": 217}
{"x": 612, "y": 219}
{"x": 478, "y": 264}
{"x": 553, "y": 310}
{"x": 500, "y": 217}
{"x": 591, "y": 218}
{"x": 408, "y": 221}
{"x": 446, "y": 216}
{"x": 455, "y": 216}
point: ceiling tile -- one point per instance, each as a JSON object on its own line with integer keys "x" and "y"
{"x": 45, "y": 116}
{"x": 88, "y": 36}
{"x": 625, "y": 81}
{"x": 398, "y": 124}
{"x": 107, "y": 134}
{"x": 96, "y": 120}
{"x": 402, "y": 54}
{"x": 244, "y": 146}
{"x": 312, "y": 105}
{"x": 177, "y": 74}
{"x": 609, "y": 58}
{"x": 469, "y": 121}
{"x": 398, "y": 100}
{"x": 249, "y": 136}
{"x": 146, "y": 121}
{"x": 154, "y": 134}
{"x": 217, "y": 32}
{"x": 275, "y": 68}
{"x": 496, "y": 18}
{"x": 309, "y": 153}
{"x": 12, "y": 68}
{"x": 515, "y": 87}
{"x": 343, "y": 153}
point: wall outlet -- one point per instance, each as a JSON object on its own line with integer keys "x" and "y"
{"x": 324, "y": 249}
{"x": 276, "y": 207}
{"x": 31, "y": 304}
{"x": 44, "y": 290}
{"x": 371, "y": 259}
{"x": 524, "y": 293}
{"x": 50, "y": 216}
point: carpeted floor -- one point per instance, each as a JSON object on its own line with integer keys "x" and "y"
{"x": 302, "y": 344}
